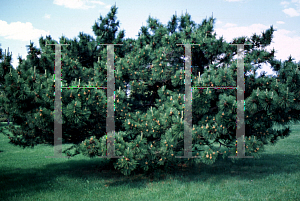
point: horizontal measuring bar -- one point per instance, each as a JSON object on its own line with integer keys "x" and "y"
{"x": 85, "y": 87}
{"x": 214, "y": 87}
{"x": 191, "y": 87}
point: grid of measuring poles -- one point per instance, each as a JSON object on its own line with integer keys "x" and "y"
{"x": 110, "y": 56}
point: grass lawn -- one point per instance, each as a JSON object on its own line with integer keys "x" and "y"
{"x": 28, "y": 175}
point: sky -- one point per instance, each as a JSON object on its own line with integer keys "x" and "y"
{"x": 24, "y": 21}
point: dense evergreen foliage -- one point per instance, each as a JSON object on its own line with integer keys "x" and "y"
{"x": 149, "y": 125}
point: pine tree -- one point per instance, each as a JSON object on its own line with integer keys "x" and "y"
{"x": 2, "y": 118}
{"x": 150, "y": 124}
{"x": 83, "y": 64}
{"x": 153, "y": 133}
{"x": 4, "y": 68}
{"x": 1, "y": 92}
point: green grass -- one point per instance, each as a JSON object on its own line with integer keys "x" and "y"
{"x": 28, "y": 175}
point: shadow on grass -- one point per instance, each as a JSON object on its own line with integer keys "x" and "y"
{"x": 36, "y": 180}
{"x": 33, "y": 180}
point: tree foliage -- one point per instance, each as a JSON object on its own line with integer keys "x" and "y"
{"x": 149, "y": 125}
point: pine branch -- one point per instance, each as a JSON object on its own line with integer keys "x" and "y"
{"x": 213, "y": 109}
{"x": 222, "y": 144}
{"x": 262, "y": 110}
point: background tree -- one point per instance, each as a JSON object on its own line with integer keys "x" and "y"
{"x": 1, "y": 92}
{"x": 5, "y": 65}
{"x": 149, "y": 125}
{"x": 32, "y": 107}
